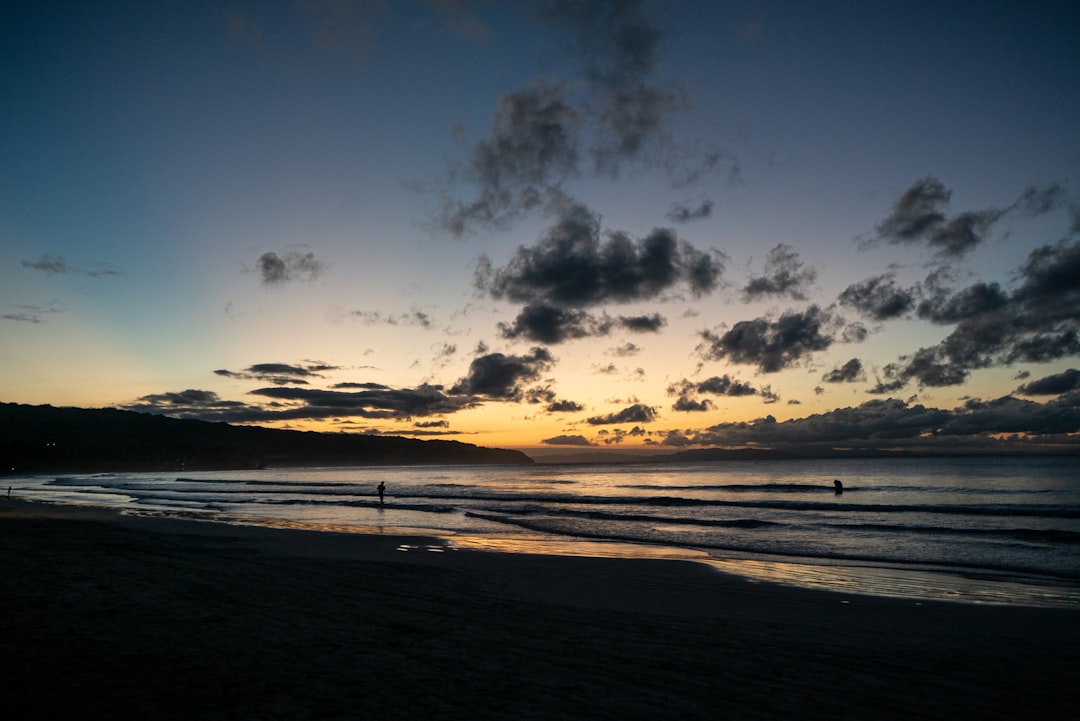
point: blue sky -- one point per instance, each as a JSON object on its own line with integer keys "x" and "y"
{"x": 548, "y": 224}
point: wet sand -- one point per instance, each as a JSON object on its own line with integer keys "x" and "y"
{"x": 108, "y": 616}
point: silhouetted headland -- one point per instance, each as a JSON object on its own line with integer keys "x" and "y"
{"x": 47, "y": 439}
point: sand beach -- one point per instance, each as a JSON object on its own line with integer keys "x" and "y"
{"x": 113, "y": 616}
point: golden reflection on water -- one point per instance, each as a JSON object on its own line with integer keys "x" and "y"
{"x": 336, "y": 527}
{"x": 555, "y": 547}
{"x": 899, "y": 583}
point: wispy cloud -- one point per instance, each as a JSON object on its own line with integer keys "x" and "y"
{"x": 785, "y": 275}
{"x": 279, "y": 373}
{"x": 723, "y": 385}
{"x": 58, "y": 265}
{"x": 686, "y": 213}
{"x": 292, "y": 266}
{"x": 30, "y": 313}
{"x": 414, "y": 317}
{"x": 614, "y": 114}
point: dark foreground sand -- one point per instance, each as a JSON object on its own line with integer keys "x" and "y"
{"x": 112, "y": 617}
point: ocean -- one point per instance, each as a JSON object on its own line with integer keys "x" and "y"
{"x": 983, "y": 530}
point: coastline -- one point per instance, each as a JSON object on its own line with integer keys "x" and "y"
{"x": 124, "y": 616}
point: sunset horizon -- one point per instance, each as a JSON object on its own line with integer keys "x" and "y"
{"x": 554, "y": 227}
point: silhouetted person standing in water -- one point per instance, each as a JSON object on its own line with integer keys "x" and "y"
{"x": 839, "y": 487}
{"x": 381, "y": 489}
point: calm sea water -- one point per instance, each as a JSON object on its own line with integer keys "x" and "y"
{"x": 993, "y": 530}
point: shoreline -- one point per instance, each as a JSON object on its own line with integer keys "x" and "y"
{"x": 115, "y": 616}
{"x": 917, "y": 583}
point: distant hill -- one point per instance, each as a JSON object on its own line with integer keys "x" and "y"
{"x": 46, "y": 439}
{"x": 593, "y": 456}
{"x": 810, "y": 452}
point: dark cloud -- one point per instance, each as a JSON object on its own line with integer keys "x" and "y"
{"x": 275, "y": 270}
{"x": 850, "y": 372}
{"x": 424, "y": 400}
{"x": 372, "y": 400}
{"x": 897, "y": 424}
{"x": 1052, "y": 385}
{"x": 542, "y": 323}
{"x": 565, "y": 407}
{"x": 1049, "y": 285}
{"x": 432, "y": 424}
{"x": 689, "y": 405}
{"x": 532, "y": 148}
{"x": 643, "y": 323}
{"x": 723, "y": 385}
{"x": 567, "y": 441}
{"x": 785, "y": 275}
{"x": 977, "y": 300}
{"x": 618, "y": 435}
{"x": 56, "y": 264}
{"x": 278, "y": 373}
{"x": 192, "y": 403}
{"x": 768, "y": 396}
{"x": 637, "y": 413}
{"x": 571, "y": 267}
{"x": 492, "y": 376}
{"x": 963, "y": 232}
{"x": 883, "y": 388}
{"x": 918, "y": 216}
{"x": 854, "y": 333}
{"x": 532, "y": 139}
{"x": 500, "y": 376}
{"x": 1037, "y": 322}
{"x": 540, "y": 394}
{"x": 917, "y": 212}
{"x": 684, "y": 213}
{"x": 771, "y": 345}
{"x": 879, "y": 297}
{"x": 930, "y": 367}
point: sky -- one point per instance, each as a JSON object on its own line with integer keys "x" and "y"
{"x": 549, "y": 225}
